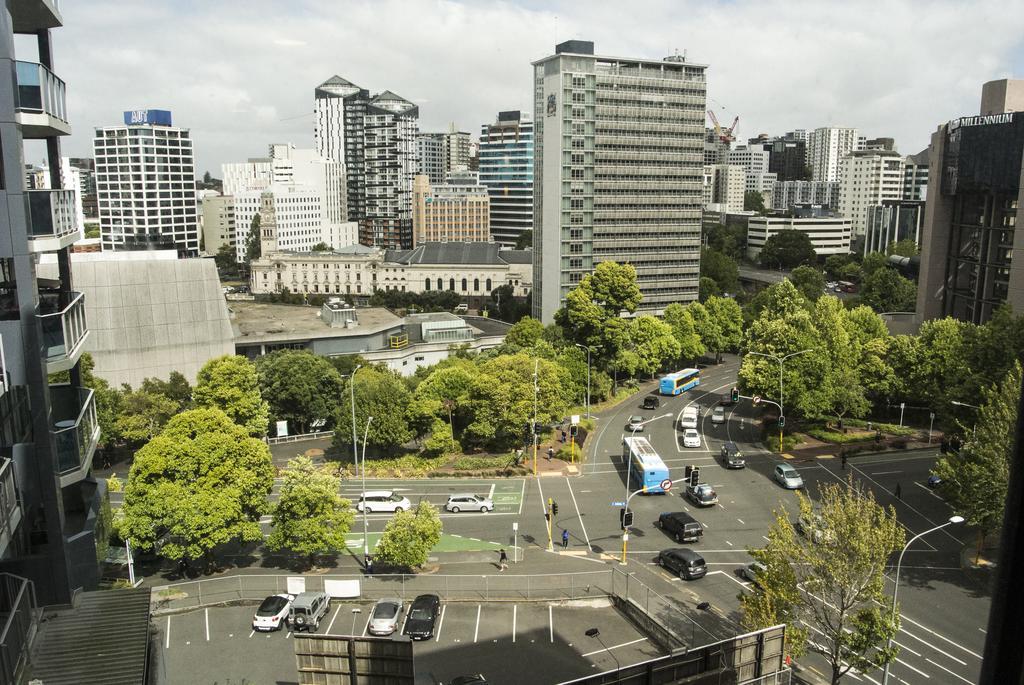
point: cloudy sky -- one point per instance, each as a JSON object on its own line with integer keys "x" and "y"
{"x": 241, "y": 73}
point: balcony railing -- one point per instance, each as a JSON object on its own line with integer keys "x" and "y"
{"x": 62, "y": 314}
{"x": 40, "y": 92}
{"x": 75, "y": 429}
{"x": 52, "y": 214}
{"x": 10, "y": 507}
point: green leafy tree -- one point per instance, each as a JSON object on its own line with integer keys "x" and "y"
{"x": 679, "y": 318}
{"x": 409, "y": 536}
{"x": 786, "y": 249}
{"x": 652, "y": 344}
{"x": 202, "y": 482}
{"x": 872, "y": 262}
{"x": 722, "y": 329}
{"x": 721, "y": 268}
{"x": 975, "y": 480}
{"x": 524, "y": 240}
{"x": 525, "y": 333}
{"x": 176, "y": 388}
{"x": 230, "y": 383}
{"x": 310, "y": 518}
{"x": 809, "y": 281}
{"x": 730, "y": 240}
{"x": 345, "y": 364}
{"x": 753, "y": 201}
{"x": 441, "y": 440}
{"x": 852, "y": 272}
{"x": 839, "y": 392}
{"x": 994, "y": 347}
{"x": 507, "y": 307}
{"x": 225, "y": 260}
{"x": 300, "y": 386}
{"x": 832, "y": 580}
{"x": 109, "y": 401}
{"x": 321, "y": 247}
{"x": 252, "y": 240}
{"x": 144, "y": 414}
{"x": 450, "y": 386}
{"x": 885, "y": 290}
{"x": 904, "y": 248}
{"x": 707, "y": 287}
{"x": 380, "y": 393}
{"x": 834, "y": 264}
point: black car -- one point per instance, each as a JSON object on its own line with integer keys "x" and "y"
{"x": 726, "y": 399}
{"x": 651, "y": 402}
{"x": 419, "y": 624}
{"x": 681, "y": 526}
{"x": 687, "y": 563}
{"x": 468, "y": 680}
{"x": 732, "y": 458}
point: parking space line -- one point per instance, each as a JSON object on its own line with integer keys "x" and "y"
{"x": 624, "y": 644}
{"x": 579, "y": 516}
{"x": 741, "y": 522}
{"x": 476, "y": 631}
{"x": 440, "y": 624}
{"x": 551, "y": 622}
{"x": 916, "y": 670}
{"x": 514, "y": 608}
{"x": 490, "y": 495}
{"x": 331, "y": 624}
{"x": 522, "y": 496}
{"x": 207, "y": 613}
{"x": 369, "y": 615}
{"x": 167, "y": 641}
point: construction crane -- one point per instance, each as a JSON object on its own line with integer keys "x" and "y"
{"x": 726, "y": 135}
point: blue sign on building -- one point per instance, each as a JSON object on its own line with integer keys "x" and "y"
{"x": 153, "y": 117}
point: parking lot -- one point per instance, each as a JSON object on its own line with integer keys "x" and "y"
{"x": 508, "y": 642}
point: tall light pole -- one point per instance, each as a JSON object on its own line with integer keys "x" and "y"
{"x": 595, "y": 633}
{"x": 584, "y": 347}
{"x": 366, "y": 546}
{"x": 974, "y": 428}
{"x": 533, "y": 426}
{"x": 896, "y": 582}
{"x": 781, "y": 361}
{"x": 352, "y": 401}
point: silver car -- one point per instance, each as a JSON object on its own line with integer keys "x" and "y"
{"x": 385, "y": 616}
{"x": 718, "y": 415}
{"x": 457, "y": 503}
{"x": 788, "y": 477}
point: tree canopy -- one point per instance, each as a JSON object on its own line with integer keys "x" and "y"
{"x": 721, "y": 268}
{"x": 230, "y": 383}
{"x": 380, "y": 393}
{"x": 787, "y": 249}
{"x": 809, "y": 281}
{"x": 311, "y": 517}
{"x": 409, "y": 536}
{"x": 301, "y": 387}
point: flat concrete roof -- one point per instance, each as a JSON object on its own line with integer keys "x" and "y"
{"x": 263, "y": 322}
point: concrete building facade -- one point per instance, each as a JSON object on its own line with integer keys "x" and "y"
{"x": 892, "y": 221}
{"x": 829, "y": 235}
{"x": 755, "y": 160}
{"x": 728, "y": 185}
{"x": 826, "y": 148}
{"x": 618, "y": 167}
{"x": 146, "y": 184}
{"x": 430, "y": 154}
{"x": 506, "y": 170}
{"x": 339, "y": 108}
{"x": 789, "y": 193}
{"x": 218, "y": 223}
{"x": 867, "y": 178}
{"x": 449, "y": 212}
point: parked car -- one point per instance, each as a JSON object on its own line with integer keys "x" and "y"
{"x": 383, "y": 500}
{"x": 687, "y": 563}
{"x": 681, "y": 526}
{"x": 813, "y": 528}
{"x": 635, "y": 423}
{"x": 732, "y": 458}
{"x": 307, "y": 610}
{"x": 385, "y": 616}
{"x": 461, "y": 308}
{"x": 788, "y": 477}
{"x": 934, "y": 481}
{"x": 691, "y": 438}
{"x": 272, "y": 612}
{"x": 457, "y": 503}
{"x": 477, "y": 679}
{"x": 689, "y": 418}
{"x": 423, "y": 614}
{"x": 702, "y": 494}
{"x": 651, "y": 402}
{"x": 753, "y": 571}
{"x": 718, "y": 415}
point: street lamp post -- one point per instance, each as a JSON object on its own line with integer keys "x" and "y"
{"x": 595, "y": 633}
{"x": 533, "y": 426}
{"x": 629, "y": 475}
{"x": 584, "y": 347}
{"x": 896, "y": 583}
{"x": 781, "y": 361}
{"x": 366, "y": 546}
{"x": 974, "y": 428}
{"x": 352, "y": 401}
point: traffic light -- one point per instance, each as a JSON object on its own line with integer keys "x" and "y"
{"x": 625, "y": 518}
{"x": 554, "y": 508}
{"x": 537, "y": 428}
{"x": 735, "y": 395}
{"x": 782, "y": 422}
{"x": 574, "y": 430}
{"x": 694, "y": 477}
{"x": 689, "y": 470}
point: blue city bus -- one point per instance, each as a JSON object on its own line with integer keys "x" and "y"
{"x": 680, "y": 381}
{"x": 645, "y": 466}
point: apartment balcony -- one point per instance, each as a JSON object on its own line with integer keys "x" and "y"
{"x": 52, "y": 221}
{"x": 40, "y": 105}
{"x": 62, "y": 316}
{"x": 10, "y": 506}
{"x": 75, "y": 430}
{"x": 29, "y": 16}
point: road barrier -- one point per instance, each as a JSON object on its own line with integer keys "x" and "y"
{"x": 300, "y": 438}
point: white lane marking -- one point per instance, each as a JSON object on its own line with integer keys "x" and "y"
{"x": 730, "y": 577}
{"x": 551, "y": 623}
{"x": 522, "y": 496}
{"x": 766, "y": 538}
{"x": 916, "y": 670}
{"x": 579, "y": 516}
{"x": 543, "y": 502}
{"x": 476, "y": 632}
{"x": 905, "y": 648}
{"x": 885, "y": 473}
{"x": 514, "y": 608}
{"x": 741, "y": 522}
{"x": 167, "y": 641}
{"x": 913, "y": 509}
{"x": 207, "y": 612}
{"x": 928, "y": 490}
{"x": 983, "y": 630}
{"x": 624, "y": 644}
{"x": 490, "y": 495}
{"x": 949, "y": 671}
{"x": 941, "y": 637}
{"x": 728, "y": 543}
{"x": 440, "y": 623}
{"x": 366, "y": 627}
{"x": 253, "y": 632}
{"x": 331, "y": 624}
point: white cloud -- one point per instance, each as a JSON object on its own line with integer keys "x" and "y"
{"x": 896, "y": 69}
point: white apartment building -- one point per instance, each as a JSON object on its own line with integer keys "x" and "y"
{"x": 146, "y": 184}
{"x": 729, "y": 184}
{"x": 829, "y": 235}
{"x": 789, "y": 193}
{"x": 430, "y": 153}
{"x": 255, "y": 174}
{"x": 389, "y": 134}
{"x": 867, "y": 178}
{"x": 218, "y": 223}
{"x": 618, "y": 167}
{"x": 754, "y": 160}
{"x": 339, "y": 108}
{"x": 826, "y": 148}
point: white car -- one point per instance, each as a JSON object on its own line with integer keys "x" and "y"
{"x": 272, "y": 612}
{"x": 383, "y": 500}
{"x": 691, "y": 438}
{"x": 689, "y": 418}
{"x": 457, "y": 503}
{"x": 718, "y": 415}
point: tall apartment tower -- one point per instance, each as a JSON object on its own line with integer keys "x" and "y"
{"x": 146, "y": 184}
{"x": 826, "y": 148}
{"x": 339, "y": 108}
{"x": 390, "y": 129}
{"x": 50, "y": 507}
{"x": 867, "y": 178}
{"x": 618, "y": 167}
{"x": 430, "y": 151}
{"x": 456, "y": 151}
{"x": 506, "y": 169}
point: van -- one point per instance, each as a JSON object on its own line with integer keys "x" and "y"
{"x": 681, "y": 526}
{"x": 689, "y": 418}
{"x": 461, "y": 308}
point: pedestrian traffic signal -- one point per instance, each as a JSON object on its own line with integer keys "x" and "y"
{"x": 554, "y": 508}
{"x": 694, "y": 477}
{"x": 735, "y": 395}
{"x": 625, "y": 518}
{"x": 574, "y": 430}
{"x": 537, "y": 428}
{"x": 782, "y": 422}
{"x": 689, "y": 470}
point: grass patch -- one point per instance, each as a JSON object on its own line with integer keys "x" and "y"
{"x": 408, "y": 466}
{"x": 890, "y": 428}
{"x": 826, "y": 435}
{"x": 771, "y": 442}
{"x": 483, "y": 463}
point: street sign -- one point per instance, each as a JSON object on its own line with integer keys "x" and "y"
{"x": 903, "y": 405}
{"x": 575, "y": 419}
{"x": 756, "y": 399}
{"x": 932, "y": 416}
{"x": 618, "y": 504}
{"x": 666, "y": 485}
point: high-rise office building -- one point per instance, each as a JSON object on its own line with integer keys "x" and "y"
{"x": 788, "y": 160}
{"x": 974, "y": 207}
{"x": 506, "y": 169}
{"x": 868, "y": 177}
{"x": 450, "y": 212}
{"x": 826, "y": 148}
{"x": 754, "y": 159}
{"x": 50, "y": 506}
{"x": 456, "y": 151}
{"x": 146, "y": 184}
{"x": 789, "y": 193}
{"x": 915, "y": 176}
{"x": 430, "y": 149}
{"x": 618, "y": 167}
{"x": 728, "y": 184}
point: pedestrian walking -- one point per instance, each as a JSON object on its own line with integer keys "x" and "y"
{"x": 551, "y": 453}
{"x": 878, "y": 436}
{"x": 369, "y": 563}
{"x": 899, "y": 492}
{"x": 843, "y": 458}
{"x": 502, "y": 560}
{"x": 565, "y": 538}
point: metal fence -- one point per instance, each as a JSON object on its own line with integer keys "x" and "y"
{"x": 505, "y": 587}
{"x": 18, "y": 612}
{"x": 300, "y": 438}
{"x": 666, "y": 612}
